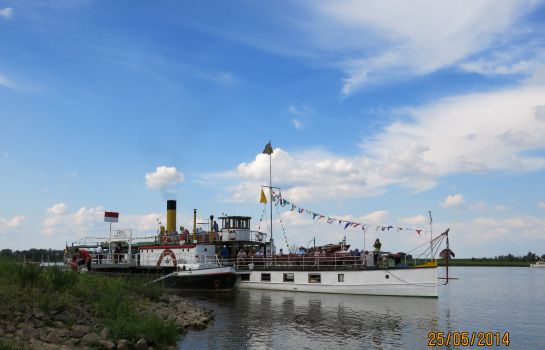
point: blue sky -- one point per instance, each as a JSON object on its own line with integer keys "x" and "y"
{"x": 378, "y": 112}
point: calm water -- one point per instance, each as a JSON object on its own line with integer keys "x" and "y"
{"x": 484, "y": 299}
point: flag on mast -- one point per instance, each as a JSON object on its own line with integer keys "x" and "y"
{"x": 263, "y": 198}
{"x": 111, "y": 216}
{"x": 268, "y": 149}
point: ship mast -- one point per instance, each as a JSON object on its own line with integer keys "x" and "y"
{"x": 268, "y": 150}
{"x": 271, "y": 199}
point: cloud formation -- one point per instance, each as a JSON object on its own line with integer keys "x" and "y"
{"x": 163, "y": 178}
{"x": 7, "y": 225}
{"x": 474, "y": 133}
{"x": 57, "y": 209}
{"x": 60, "y": 222}
{"x": 409, "y": 40}
{"x": 297, "y": 124}
{"x": 5, "y": 82}
{"x": 452, "y": 200}
{"x": 6, "y": 12}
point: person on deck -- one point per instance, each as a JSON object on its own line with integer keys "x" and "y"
{"x": 241, "y": 257}
{"x": 99, "y": 254}
{"x": 117, "y": 253}
{"x": 84, "y": 258}
{"x": 224, "y": 252}
{"x": 376, "y": 252}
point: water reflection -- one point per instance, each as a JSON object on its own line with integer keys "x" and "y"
{"x": 255, "y": 319}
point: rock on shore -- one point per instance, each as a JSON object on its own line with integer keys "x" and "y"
{"x": 77, "y": 329}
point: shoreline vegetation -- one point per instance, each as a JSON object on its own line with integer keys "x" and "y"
{"x": 52, "y": 308}
{"x": 508, "y": 260}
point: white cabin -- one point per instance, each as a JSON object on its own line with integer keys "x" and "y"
{"x": 188, "y": 256}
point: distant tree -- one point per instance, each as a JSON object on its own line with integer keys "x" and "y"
{"x": 530, "y": 257}
{"x": 6, "y": 253}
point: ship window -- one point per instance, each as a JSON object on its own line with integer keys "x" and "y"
{"x": 314, "y": 278}
{"x": 205, "y": 249}
{"x": 340, "y": 277}
{"x": 265, "y": 277}
{"x": 245, "y": 277}
{"x": 288, "y": 277}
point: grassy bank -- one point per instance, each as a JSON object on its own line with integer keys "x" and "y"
{"x": 119, "y": 304}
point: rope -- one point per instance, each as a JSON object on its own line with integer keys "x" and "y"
{"x": 412, "y": 284}
{"x": 261, "y": 220}
{"x": 282, "y": 224}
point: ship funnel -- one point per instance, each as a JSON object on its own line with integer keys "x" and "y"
{"x": 171, "y": 216}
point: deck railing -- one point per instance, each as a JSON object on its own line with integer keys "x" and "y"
{"x": 292, "y": 262}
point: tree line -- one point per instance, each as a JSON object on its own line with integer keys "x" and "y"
{"x": 510, "y": 257}
{"x": 36, "y": 255}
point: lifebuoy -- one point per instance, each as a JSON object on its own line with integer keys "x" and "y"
{"x": 232, "y": 236}
{"x": 167, "y": 252}
{"x": 259, "y": 236}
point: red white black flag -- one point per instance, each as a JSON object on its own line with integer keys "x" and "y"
{"x": 111, "y": 216}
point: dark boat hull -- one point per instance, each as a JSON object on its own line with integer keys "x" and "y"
{"x": 201, "y": 280}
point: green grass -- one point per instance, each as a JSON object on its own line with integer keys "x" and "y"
{"x": 116, "y": 302}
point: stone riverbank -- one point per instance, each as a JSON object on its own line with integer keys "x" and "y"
{"x": 31, "y": 328}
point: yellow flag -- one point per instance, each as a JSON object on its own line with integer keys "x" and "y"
{"x": 263, "y": 199}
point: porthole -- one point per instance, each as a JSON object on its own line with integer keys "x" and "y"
{"x": 387, "y": 276}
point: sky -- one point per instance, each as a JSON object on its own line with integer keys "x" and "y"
{"x": 378, "y": 113}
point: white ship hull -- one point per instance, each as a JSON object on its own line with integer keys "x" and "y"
{"x": 420, "y": 282}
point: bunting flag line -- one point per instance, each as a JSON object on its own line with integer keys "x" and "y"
{"x": 283, "y": 202}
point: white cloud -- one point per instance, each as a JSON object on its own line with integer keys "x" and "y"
{"x": 10, "y": 224}
{"x": 303, "y": 114}
{"x": 375, "y": 217}
{"x": 475, "y": 133}
{"x": 452, "y": 200}
{"x": 478, "y": 206}
{"x": 297, "y": 124}
{"x": 501, "y": 207}
{"x": 5, "y": 82}
{"x": 6, "y": 12}
{"x": 494, "y": 67}
{"x": 72, "y": 225}
{"x": 541, "y": 205}
{"x": 415, "y": 220}
{"x": 481, "y": 230}
{"x": 310, "y": 174}
{"x": 403, "y": 39}
{"x": 60, "y": 222}
{"x": 163, "y": 178}
{"x": 300, "y": 111}
{"x": 57, "y": 209}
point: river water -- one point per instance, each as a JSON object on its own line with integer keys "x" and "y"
{"x": 487, "y": 299}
